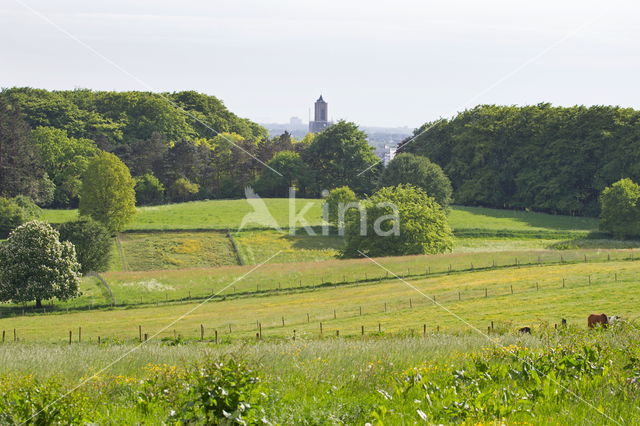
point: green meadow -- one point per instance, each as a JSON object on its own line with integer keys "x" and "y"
{"x": 228, "y": 214}
{"x": 392, "y": 340}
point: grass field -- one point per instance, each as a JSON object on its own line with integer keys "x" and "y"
{"x": 176, "y": 250}
{"x": 408, "y": 351}
{"x": 538, "y": 295}
{"x": 228, "y": 214}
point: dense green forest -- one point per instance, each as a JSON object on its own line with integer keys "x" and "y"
{"x": 536, "y": 157}
{"x": 179, "y": 147}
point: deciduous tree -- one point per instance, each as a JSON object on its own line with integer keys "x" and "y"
{"x": 35, "y": 265}
{"x": 107, "y": 193}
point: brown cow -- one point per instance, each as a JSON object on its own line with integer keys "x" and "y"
{"x": 597, "y": 319}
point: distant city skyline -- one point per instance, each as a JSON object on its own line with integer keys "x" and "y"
{"x": 380, "y": 64}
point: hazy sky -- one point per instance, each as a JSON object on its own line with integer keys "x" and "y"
{"x": 386, "y": 63}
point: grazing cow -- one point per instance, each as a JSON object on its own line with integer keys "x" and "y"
{"x": 594, "y": 319}
{"x": 525, "y": 330}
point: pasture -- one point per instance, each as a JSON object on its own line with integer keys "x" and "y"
{"x": 338, "y": 341}
{"x": 509, "y": 297}
{"x": 228, "y": 214}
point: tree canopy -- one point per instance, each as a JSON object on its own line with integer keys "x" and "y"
{"x": 341, "y": 156}
{"x": 285, "y": 170}
{"x": 107, "y": 194}
{"x": 92, "y": 242}
{"x": 538, "y": 157}
{"x": 397, "y": 221}
{"x": 419, "y": 172}
{"x": 620, "y": 209}
{"x": 35, "y": 265}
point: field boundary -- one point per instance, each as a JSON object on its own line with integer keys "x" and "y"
{"x": 235, "y": 249}
{"x": 293, "y": 288}
{"x": 121, "y": 253}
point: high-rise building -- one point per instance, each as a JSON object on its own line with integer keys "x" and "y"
{"x": 320, "y": 116}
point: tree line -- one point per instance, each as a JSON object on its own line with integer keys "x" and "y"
{"x": 178, "y": 146}
{"x": 540, "y": 157}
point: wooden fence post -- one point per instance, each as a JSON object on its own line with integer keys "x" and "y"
{"x": 563, "y": 283}
{"x": 146, "y": 337}
{"x": 201, "y": 332}
{"x": 379, "y": 328}
{"x": 459, "y": 297}
{"x": 589, "y": 279}
{"x": 410, "y": 303}
{"x": 385, "y": 306}
{"x": 320, "y": 328}
{"x": 485, "y": 292}
{"x": 537, "y": 286}
{"x": 362, "y": 326}
{"x": 360, "y": 310}
{"x": 491, "y": 325}
{"x": 424, "y": 329}
{"x": 79, "y": 334}
{"x": 511, "y": 288}
{"x": 15, "y": 335}
{"x": 308, "y": 319}
{"x": 2, "y": 336}
{"x": 437, "y": 329}
{"x": 216, "y": 337}
{"x": 260, "y": 330}
{"x": 337, "y": 333}
{"x": 70, "y": 336}
{"x": 294, "y": 335}
{"x": 283, "y": 321}
{"x": 140, "y": 333}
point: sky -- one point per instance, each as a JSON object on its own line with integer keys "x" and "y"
{"x": 377, "y": 62}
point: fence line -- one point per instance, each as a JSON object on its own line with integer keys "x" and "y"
{"x": 383, "y": 307}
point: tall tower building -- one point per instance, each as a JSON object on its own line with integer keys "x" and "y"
{"x": 320, "y": 116}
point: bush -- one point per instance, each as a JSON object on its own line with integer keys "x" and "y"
{"x": 338, "y": 199}
{"x": 209, "y": 392}
{"x": 401, "y": 220}
{"x": 182, "y": 190}
{"x": 35, "y": 265}
{"x": 619, "y": 210}
{"x": 92, "y": 242}
{"x": 16, "y": 211}
{"x": 420, "y": 172}
{"x": 149, "y": 189}
{"x": 26, "y": 400}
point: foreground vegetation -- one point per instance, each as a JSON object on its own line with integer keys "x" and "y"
{"x": 441, "y": 378}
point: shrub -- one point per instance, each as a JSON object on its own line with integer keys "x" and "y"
{"x": 420, "y": 172}
{"x": 209, "y": 392}
{"x": 26, "y": 400}
{"x": 619, "y": 210}
{"x": 149, "y": 189}
{"x": 182, "y": 190}
{"x": 338, "y": 198}
{"x": 92, "y": 242}
{"x": 16, "y": 211}
{"x": 401, "y": 220}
